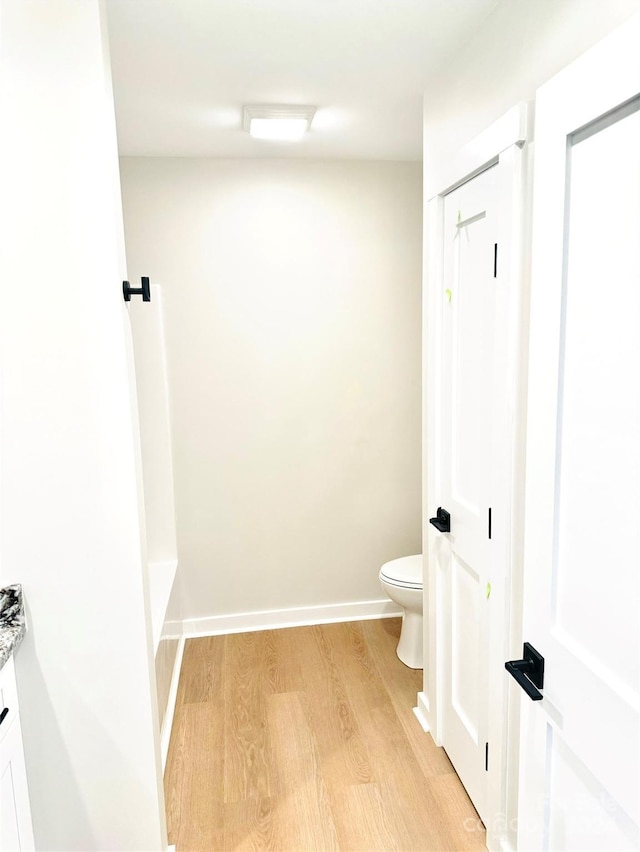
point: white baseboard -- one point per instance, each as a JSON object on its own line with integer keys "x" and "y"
{"x": 247, "y": 622}
{"x": 422, "y": 712}
{"x": 165, "y": 733}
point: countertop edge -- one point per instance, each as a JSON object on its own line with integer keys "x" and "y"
{"x": 13, "y": 624}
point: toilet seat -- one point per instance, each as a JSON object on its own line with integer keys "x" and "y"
{"x": 405, "y": 572}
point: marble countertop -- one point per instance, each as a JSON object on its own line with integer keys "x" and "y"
{"x": 12, "y": 621}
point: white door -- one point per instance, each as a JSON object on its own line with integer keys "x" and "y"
{"x": 473, "y": 314}
{"x": 580, "y": 745}
{"x": 465, "y": 448}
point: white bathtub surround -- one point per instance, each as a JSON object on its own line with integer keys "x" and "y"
{"x": 169, "y": 645}
{"x": 147, "y": 332}
{"x": 148, "y": 335}
{"x": 172, "y": 695}
{"x": 162, "y": 577}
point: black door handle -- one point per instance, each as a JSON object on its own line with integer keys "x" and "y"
{"x": 442, "y": 520}
{"x": 528, "y": 672}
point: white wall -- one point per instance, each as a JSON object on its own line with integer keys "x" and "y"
{"x": 521, "y": 44}
{"x": 292, "y": 311}
{"x": 71, "y": 514}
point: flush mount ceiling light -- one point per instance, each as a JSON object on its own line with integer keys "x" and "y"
{"x": 278, "y": 122}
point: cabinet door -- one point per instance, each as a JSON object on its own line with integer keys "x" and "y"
{"x": 16, "y": 832}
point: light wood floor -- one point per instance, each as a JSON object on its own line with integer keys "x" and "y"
{"x": 304, "y": 739}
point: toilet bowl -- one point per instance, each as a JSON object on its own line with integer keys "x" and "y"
{"x": 402, "y": 581}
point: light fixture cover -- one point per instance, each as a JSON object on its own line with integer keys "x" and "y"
{"x": 278, "y": 122}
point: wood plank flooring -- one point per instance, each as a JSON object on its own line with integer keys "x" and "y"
{"x": 304, "y": 739}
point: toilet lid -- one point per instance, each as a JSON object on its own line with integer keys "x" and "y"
{"x": 406, "y": 571}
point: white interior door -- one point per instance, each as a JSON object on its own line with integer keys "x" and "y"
{"x": 473, "y": 315}
{"x": 580, "y": 744}
{"x": 468, "y": 338}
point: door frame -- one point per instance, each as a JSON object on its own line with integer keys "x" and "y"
{"x": 504, "y": 145}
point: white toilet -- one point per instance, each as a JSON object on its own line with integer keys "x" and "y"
{"x": 402, "y": 581}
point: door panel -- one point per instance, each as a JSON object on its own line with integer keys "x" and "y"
{"x": 472, "y": 318}
{"x": 598, "y": 417}
{"x": 594, "y": 821}
{"x": 580, "y": 745}
{"x": 468, "y": 334}
{"x": 465, "y": 629}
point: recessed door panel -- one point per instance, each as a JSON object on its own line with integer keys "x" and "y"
{"x": 465, "y": 632}
{"x": 585, "y": 815}
{"x": 472, "y": 316}
{"x": 598, "y": 479}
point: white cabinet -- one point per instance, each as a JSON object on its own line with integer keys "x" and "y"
{"x": 16, "y": 832}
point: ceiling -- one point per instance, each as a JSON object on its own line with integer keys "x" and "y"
{"x": 182, "y": 70}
